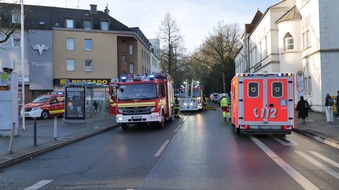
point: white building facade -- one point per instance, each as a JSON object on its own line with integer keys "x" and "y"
{"x": 155, "y": 56}
{"x": 292, "y": 36}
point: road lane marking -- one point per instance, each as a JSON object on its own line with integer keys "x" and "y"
{"x": 185, "y": 118}
{"x": 177, "y": 129}
{"x": 305, "y": 183}
{"x": 285, "y": 142}
{"x": 320, "y": 165}
{"x": 161, "y": 148}
{"x": 38, "y": 185}
{"x": 336, "y": 164}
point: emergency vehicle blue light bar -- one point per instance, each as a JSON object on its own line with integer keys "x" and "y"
{"x": 123, "y": 78}
{"x": 284, "y": 74}
{"x": 246, "y": 74}
{"x": 151, "y": 77}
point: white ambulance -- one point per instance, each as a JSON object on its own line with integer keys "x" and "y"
{"x": 263, "y": 103}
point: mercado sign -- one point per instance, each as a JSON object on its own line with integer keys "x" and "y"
{"x": 62, "y": 82}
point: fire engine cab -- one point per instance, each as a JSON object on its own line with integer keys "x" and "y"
{"x": 263, "y": 103}
{"x": 191, "y": 96}
{"x": 142, "y": 99}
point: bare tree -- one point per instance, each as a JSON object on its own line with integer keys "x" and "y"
{"x": 172, "y": 49}
{"x": 10, "y": 19}
{"x": 218, "y": 50}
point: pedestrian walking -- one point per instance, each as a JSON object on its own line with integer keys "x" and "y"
{"x": 329, "y": 102}
{"x": 337, "y": 105}
{"x": 301, "y": 108}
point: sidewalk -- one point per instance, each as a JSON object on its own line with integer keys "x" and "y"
{"x": 23, "y": 143}
{"x": 315, "y": 127}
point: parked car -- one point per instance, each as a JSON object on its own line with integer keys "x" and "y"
{"x": 44, "y": 106}
{"x": 213, "y": 96}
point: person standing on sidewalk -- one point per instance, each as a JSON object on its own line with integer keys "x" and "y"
{"x": 329, "y": 109}
{"x": 337, "y": 105}
{"x": 302, "y": 110}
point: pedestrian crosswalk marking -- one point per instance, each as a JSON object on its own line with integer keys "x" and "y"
{"x": 320, "y": 165}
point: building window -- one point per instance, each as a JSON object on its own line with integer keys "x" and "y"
{"x": 16, "y": 18}
{"x": 16, "y": 41}
{"x": 131, "y": 69}
{"x": 289, "y": 42}
{"x": 70, "y": 43}
{"x": 130, "y": 49}
{"x": 88, "y": 44}
{"x": 88, "y": 65}
{"x": 69, "y": 23}
{"x": 70, "y": 65}
{"x": 87, "y": 24}
{"x": 306, "y": 39}
{"x": 255, "y": 55}
{"x": 104, "y": 25}
{"x": 260, "y": 51}
{"x": 265, "y": 50}
{"x": 308, "y": 85}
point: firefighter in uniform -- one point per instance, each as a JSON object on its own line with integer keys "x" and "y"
{"x": 176, "y": 108}
{"x": 224, "y": 108}
{"x": 205, "y": 102}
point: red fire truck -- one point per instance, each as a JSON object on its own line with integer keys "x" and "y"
{"x": 263, "y": 103}
{"x": 191, "y": 96}
{"x": 142, "y": 99}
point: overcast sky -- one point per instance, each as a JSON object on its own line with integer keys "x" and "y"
{"x": 196, "y": 18}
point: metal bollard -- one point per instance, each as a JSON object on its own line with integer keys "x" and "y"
{"x": 55, "y": 128}
{"x": 10, "y": 149}
{"x": 35, "y": 131}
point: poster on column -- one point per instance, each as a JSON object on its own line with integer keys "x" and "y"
{"x": 75, "y": 102}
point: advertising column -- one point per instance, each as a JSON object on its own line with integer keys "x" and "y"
{"x": 75, "y": 102}
{"x": 9, "y": 113}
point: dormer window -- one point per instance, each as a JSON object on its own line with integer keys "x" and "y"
{"x": 69, "y": 23}
{"x": 289, "y": 42}
{"x": 87, "y": 24}
{"x": 104, "y": 25}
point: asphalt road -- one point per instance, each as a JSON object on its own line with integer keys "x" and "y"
{"x": 199, "y": 151}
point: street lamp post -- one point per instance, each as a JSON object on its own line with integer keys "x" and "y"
{"x": 22, "y": 42}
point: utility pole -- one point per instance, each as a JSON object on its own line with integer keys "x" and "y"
{"x": 22, "y": 43}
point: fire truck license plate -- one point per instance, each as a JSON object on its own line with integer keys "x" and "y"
{"x": 136, "y": 117}
{"x": 264, "y": 127}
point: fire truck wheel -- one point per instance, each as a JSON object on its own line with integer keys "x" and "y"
{"x": 236, "y": 130}
{"x": 162, "y": 123}
{"x": 125, "y": 126}
{"x": 44, "y": 115}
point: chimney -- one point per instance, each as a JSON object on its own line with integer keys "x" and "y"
{"x": 106, "y": 10}
{"x": 93, "y": 8}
